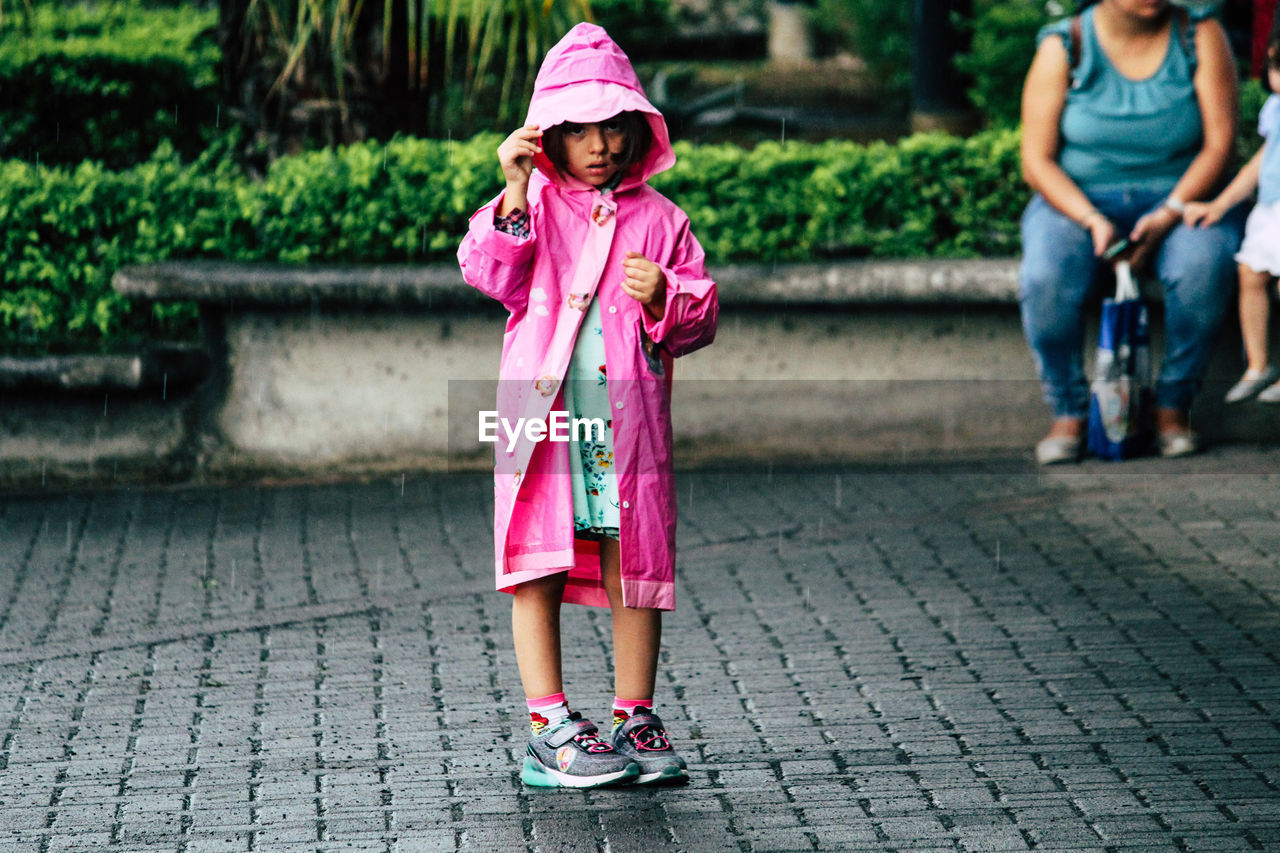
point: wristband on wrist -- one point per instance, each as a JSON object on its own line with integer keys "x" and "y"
{"x": 1088, "y": 217}
{"x": 1175, "y": 204}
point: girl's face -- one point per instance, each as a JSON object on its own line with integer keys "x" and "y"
{"x": 592, "y": 150}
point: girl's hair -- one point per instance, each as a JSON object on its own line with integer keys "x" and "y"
{"x": 639, "y": 137}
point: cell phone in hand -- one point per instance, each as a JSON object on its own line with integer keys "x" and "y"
{"x": 1117, "y": 249}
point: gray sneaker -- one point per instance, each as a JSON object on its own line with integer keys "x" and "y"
{"x": 1271, "y": 394}
{"x": 1249, "y": 387}
{"x": 642, "y": 738}
{"x": 571, "y": 754}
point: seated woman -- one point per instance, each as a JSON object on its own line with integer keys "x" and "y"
{"x": 1128, "y": 113}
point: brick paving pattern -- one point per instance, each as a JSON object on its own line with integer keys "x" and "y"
{"x": 973, "y": 657}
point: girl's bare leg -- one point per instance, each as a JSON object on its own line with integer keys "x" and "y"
{"x": 1255, "y": 311}
{"x": 637, "y": 632}
{"x": 535, "y": 622}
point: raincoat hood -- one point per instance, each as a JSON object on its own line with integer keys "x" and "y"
{"x": 587, "y": 78}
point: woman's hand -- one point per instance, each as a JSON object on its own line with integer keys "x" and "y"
{"x": 1102, "y": 231}
{"x": 644, "y": 282}
{"x": 1149, "y": 233}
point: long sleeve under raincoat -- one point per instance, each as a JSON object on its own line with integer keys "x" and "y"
{"x": 578, "y": 240}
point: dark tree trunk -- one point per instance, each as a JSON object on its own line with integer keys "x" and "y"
{"x": 937, "y": 88}
{"x": 377, "y": 99}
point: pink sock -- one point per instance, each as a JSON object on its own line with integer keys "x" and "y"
{"x": 546, "y": 711}
{"x": 624, "y": 708}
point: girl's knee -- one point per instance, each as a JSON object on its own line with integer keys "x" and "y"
{"x": 544, "y": 590}
{"x": 1253, "y": 281}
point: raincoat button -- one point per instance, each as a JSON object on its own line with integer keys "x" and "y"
{"x": 618, "y": 405}
{"x": 626, "y": 504}
{"x": 613, "y": 309}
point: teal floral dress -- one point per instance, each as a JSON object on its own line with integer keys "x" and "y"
{"x": 586, "y": 395}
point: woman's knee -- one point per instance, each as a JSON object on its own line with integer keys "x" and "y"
{"x": 1054, "y": 281}
{"x": 1200, "y": 258}
{"x": 1052, "y": 310}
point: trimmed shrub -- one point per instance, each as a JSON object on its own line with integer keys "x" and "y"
{"x": 106, "y": 83}
{"x": 66, "y": 231}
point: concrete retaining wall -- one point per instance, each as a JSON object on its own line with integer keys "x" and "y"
{"x": 324, "y": 371}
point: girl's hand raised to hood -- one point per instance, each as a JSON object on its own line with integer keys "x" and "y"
{"x": 515, "y": 154}
{"x": 644, "y": 282}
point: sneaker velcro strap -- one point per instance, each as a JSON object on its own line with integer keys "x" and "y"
{"x": 569, "y": 731}
{"x": 646, "y": 732}
{"x": 644, "y": 719}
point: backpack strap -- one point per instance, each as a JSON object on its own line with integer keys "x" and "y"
{"x": 1182, "y": 23}
{"x": 1187, "y": 32}
{"x": 1074, "y": 37}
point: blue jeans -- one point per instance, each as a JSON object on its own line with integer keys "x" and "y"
{"x": 1060, "y": 275}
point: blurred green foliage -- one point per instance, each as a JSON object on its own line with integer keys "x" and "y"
{"x": 928, "y": 195}
{"x": 1002, "y": 44}
{"x": 106, "y": 82}
{"x": 875, "y": 31}
{"x": 1252, "y": 97}
{"x": 66, "y": 230}
{"x": 302, "y": 73}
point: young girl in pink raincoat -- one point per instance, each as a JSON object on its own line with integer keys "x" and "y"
{"x": 605, "y": 285}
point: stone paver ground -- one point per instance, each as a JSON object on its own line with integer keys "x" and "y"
{"x": 955, "y": 656}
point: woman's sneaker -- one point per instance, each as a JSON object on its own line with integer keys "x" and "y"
{"x": 642, "y": 738}
{"x": 571, "y": 754}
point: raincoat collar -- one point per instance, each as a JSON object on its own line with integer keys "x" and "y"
{"x": 587, "y": 78}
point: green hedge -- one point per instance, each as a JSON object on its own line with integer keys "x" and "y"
{"x": 107, "y": 82}
{"x": 65, "y": 231}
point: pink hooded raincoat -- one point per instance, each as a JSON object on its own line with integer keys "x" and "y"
{"x": 578, "y": 241}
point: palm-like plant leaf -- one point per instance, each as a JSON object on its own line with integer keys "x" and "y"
{"x": 354, "y": 67}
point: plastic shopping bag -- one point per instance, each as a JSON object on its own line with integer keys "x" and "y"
{"x": 1122, "y": 401}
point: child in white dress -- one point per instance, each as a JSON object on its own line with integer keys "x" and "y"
{"x": 1259, "y": 255}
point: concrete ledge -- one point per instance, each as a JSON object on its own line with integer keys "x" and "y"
{"x": 233, "y": 284}
{"x": 71, "y": 373}
{"x": 440, "y": 286}
{"x": 847, "y": 284}
{"x": 319, "y": 371}
{"x": 103, "y": 437}
{"x": 376, "y": 367}
{"x": 157, "y": 367}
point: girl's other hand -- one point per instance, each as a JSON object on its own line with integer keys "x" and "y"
{"x": 644, "y": 282}
{"x": 1201, "y": 214}
{"x": 516, "y": 154}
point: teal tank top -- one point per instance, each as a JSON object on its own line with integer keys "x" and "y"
{"x": 1118, "y": 133}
